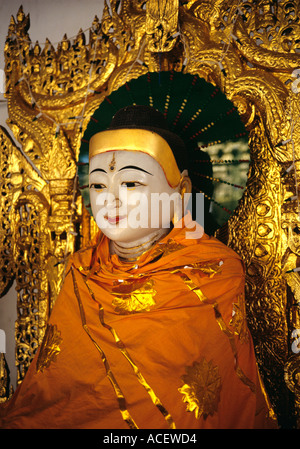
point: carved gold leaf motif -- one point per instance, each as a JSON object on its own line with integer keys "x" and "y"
{"x": 161, "y": 24}
{"x": 201, "y": 389}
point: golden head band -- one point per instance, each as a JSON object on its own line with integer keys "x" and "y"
{"x": 141, "y": 140}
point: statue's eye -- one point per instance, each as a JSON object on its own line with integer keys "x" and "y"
{"x": 131, "y": 184}
{"x": 97, "y": 186}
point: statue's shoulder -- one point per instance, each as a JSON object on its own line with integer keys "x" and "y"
{"x": 214, "y": 245}
{"x": 211, "y": 247}
{"x": 84, "y": 256}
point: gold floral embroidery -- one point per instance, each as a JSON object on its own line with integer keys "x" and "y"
{"x": 193, "y": 287}
{"x": 224, "y": 328}
{"x": 201, "y": 389}
{"x": 120, "y": 345}
{"x": 190, "y": 273}
{"x": 49, "y": 348}
{"x": 208, "y": 268}
{"x": 167, "y": 248}
{"x": 238, "y": 321}
{"x": 133, "y": 296}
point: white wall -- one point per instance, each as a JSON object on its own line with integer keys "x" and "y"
{"x": 48, "y": 19}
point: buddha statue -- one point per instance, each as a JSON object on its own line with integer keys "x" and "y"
{"x": 149, "y": 329}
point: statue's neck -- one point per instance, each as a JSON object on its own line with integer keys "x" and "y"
{"x": 133, "y": 250}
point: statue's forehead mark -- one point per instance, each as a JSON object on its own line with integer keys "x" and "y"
{"x": 112, "y": 164}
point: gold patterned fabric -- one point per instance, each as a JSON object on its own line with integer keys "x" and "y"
{"x": 49, "y": 349}
{"x": 134, "y": 296}
{"x": 156, "y": 343}
{"x": 202, "y": 388}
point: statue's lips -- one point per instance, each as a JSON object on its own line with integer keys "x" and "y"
{"x": 114, "y": 220}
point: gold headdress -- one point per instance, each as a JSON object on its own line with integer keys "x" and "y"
{"x": 142, "y": 129}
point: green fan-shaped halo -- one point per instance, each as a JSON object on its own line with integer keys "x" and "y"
{"x": 195, "y": 109}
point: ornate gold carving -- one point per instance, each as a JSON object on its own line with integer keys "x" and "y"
{"x": 250, "y": 50}
{"x": 161, "y": 24}
{"x": 50, "y": 348}
{"x": 201, "y": 389}
{"x": 6, "y": 391}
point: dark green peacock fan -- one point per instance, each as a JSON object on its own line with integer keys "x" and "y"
{"x": 202, "y": 116}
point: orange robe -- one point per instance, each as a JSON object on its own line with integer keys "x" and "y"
{"x": 158, "y": 343}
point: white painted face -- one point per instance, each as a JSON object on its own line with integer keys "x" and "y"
{"x": 130, "y": 195}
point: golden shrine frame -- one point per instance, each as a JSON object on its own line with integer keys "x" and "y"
{"x": 251, "y": 51}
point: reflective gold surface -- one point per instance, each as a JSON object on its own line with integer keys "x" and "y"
{"x": 138, "y": 140}
{"x": 50, "y": 348}
{"x": 238, "y": 321}
{"x": 201, "y": 389}
{"x": 131, "y": 296}
{"x": 250, "y": 50}
{"x": 5, "y": 391}
{"x": 161, "y": 24}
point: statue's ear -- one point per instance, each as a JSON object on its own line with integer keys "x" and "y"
{"x": 185, "y": 183}
{"x": 185, "y": 190}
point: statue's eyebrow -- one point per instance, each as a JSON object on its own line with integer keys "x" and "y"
{"x": 135, "y": 168}
{"x": 98, "y": 169}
